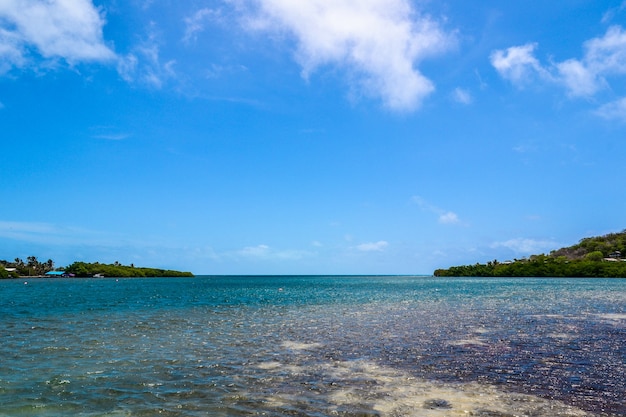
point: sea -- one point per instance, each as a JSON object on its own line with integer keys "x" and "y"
{"x": 313, "y": 346}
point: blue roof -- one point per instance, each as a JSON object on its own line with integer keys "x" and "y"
{"x": 55, "y": 273}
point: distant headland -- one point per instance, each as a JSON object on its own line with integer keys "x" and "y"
{"x": 592, "y": 257}
{"x": 33, "y": 268}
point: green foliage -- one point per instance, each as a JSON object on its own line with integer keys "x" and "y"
{"x": 32, "y": 267}
{"x": 594, "y": 256}
{"x": 548, "y": 267}
{"x": 83, "y": 269}
{"x": 585, "y": 259}
{"x": 606, "y": 244}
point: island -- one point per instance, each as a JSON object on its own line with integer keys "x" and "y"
{"x": 592, "y": 257}
{"x": 33, "y": 268}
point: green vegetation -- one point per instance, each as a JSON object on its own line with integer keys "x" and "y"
{"x": 32, "y": 267}
{"x": 6, "y": 274}
{"x": 592, "y": 257}
{"x": 83, "y": 269}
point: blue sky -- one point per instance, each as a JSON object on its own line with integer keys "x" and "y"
{"x": 312, "y": 137}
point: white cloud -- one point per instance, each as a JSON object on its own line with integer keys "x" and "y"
{"x": 112, "y": 136}
{"x": 603, "y": 57}
{"x": 10, "y": 51}
{"x": 448, "y": 218}
{"x": 379, "y": 246}
{"x": 144, "y": 65}
{"x": 264, "y": 252}
{"x": 518, "y": 64}
{"x": 255, "y": 251}
{"x": 196, "y": 23}
{"x": 615, "y": 110}
{"x": 462, "y": 96}
{"x": 607, "y": 54}
{"x": 379, "y": 43}
{"x": 67, "y": 29}
{"x": 611, "y": 13}
{"x": 526, "y": 246}
{"x": 444, "y": 216}
{"x": 579, "y": 80}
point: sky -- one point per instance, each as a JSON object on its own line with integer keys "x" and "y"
{"x": 309, "y": 137}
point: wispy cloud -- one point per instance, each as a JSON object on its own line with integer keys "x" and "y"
{"x": 525, "y": 246}
{"x": 265, "y": 252}
{"x": 448, "y": 218}
{"x": 47, "y": 233}
{"x": 378, "y": 42}
{"x": 197, "y": 22}
{"x": 613, "y": 12}
{"x": 145, "y": 66}
{"x": 443, "y": 216}
{"x": 379, "y": 246}
{"x": 112, "y": 136}
{"x": 462, "y": 96}
{"x": 603, "y": 58}
{"x": 615, "y": 110}
{"x": 68, "y": 30}
{"x": 525, "y": 148}
{"x": 108, "y": 133}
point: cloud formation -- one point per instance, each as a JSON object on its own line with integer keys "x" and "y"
{"x": 144, "y": 66}
{"x": 518, "y": 64}
{"x": 378, "y": 42}
{"x": 196, "y": 23}
{"x": 57, "y": 29}
{"x": 615, "y": 110}
{"x": 603, "y": 57}
{"x": 379, "y": 246}
{"x": 526, "y": 246}
{"x": 264, "y": 252}
{"x": 444, "y": 216}
{"x": 54, "y": 235}
{"x": 462, "y": 96}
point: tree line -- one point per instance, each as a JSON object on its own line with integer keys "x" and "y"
{"x": 32, "y": 267}
{"x": 592, "y": 257}
{"x": 84, "y": 269}
{"x": 539, "y": 266}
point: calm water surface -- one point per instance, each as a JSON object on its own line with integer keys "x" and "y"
{"x": 312, "y": 346}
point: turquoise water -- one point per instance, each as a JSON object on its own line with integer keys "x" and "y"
{"x": 312, "y": 346}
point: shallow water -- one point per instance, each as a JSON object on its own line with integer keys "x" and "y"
{"x": 312, "y": 346}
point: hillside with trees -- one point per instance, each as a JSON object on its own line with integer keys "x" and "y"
{"x": 32, "y": 267}
{"x": 592, "y": 257}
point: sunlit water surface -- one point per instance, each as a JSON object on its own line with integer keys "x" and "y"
{"x": 312, "y": 346}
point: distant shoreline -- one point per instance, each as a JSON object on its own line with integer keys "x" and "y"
{"x": 34, "y": 268}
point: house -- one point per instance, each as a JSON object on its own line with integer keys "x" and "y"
{"x": 56, "y": 274}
